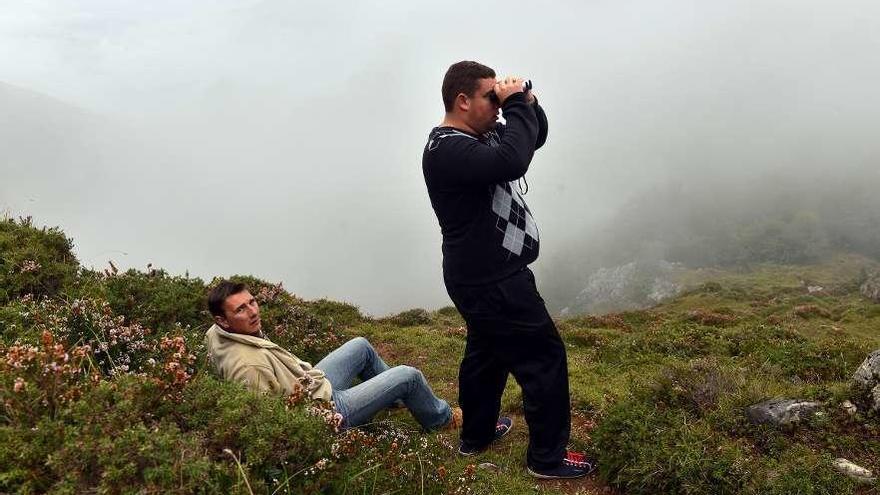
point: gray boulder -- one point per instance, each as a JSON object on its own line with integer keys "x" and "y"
{"x": 871, "y": 286}
{"x": 782, "y": 412}
{"x": 867, "y": 376}
{"x": 866, "y": 381}
{"x": 874, "y": 401}
{"x": 854, "y": 471}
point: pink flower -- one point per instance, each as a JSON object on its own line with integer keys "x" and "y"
{"x": 30, "y": 266}
{"x": 19, "y": 385}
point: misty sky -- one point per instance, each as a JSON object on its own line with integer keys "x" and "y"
{"x": 284, "y": 139}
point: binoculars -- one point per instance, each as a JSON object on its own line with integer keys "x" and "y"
{"x": 527, "y": 86}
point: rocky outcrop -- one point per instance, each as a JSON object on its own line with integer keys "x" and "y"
{"x": 870, "y": 288}
{"x": 866, "y": 382}
{"x": 634, "y": 285}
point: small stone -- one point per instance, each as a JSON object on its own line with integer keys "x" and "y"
{"x": 849, "y": 407}
{"x": 782, "y": 412}
{"x": 854, "y": 471}
{"x": 488, "y": 466}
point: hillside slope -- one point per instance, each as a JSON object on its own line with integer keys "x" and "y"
{"x": 104, "y": 388}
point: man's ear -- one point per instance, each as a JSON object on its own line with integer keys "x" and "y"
{"x": 221, "y": 320}
{"x": 463, "y": 102}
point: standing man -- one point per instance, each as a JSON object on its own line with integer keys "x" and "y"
{"x": 471, "y": 165}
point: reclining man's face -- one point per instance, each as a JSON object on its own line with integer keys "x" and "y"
{"x": 242, "y": 314}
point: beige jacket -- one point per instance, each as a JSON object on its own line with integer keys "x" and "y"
{"x": 262, "y": 365}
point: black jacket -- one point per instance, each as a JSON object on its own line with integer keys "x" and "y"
{"x": 488, "y": 231}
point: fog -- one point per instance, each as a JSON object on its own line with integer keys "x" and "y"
{"x": 284, "y": 139}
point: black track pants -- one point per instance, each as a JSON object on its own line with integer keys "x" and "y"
{"x": 510, "y": 331}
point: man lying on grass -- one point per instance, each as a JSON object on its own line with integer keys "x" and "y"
{"x": 240, "y": 352}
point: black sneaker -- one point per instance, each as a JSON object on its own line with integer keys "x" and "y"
{"x": 502, "y": 427}
{"x": 574, "y": 465}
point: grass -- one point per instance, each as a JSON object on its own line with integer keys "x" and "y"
{"x": 762, "y": 334}
{"x": 657, "y": 395}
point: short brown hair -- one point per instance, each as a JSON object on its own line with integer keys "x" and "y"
{"x": 463, "y": 77}
{"x": 220, "y": 292}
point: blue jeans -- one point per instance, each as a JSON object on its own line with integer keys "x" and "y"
{"x": 381, "y": 386}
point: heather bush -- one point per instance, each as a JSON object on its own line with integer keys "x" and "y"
{"x": 335, "y": 313}
{"x": 685, "y": 431}
{"x": 409, "y": 318}
{"x": 67, "y": 428}
{"x": 799, "y": 470}
{"x": 811, "y": 360}
{"x": 649, "y": 449}
{"x": 680, "y": 340}
{"x": 157, "y": 300}
{"x": 38, "y": 380}
{"x": 34, "y": 261}
{"x": 99, "y": 393}
{"x": 14, "y": 324}
{"x": 294, "y": 445}
{"x": 91, "y": 323}
{"x": 696, "y": 387}
{"x": 119, "y": 437}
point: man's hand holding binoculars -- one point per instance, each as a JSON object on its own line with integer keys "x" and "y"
{"x": 510, "y": 85}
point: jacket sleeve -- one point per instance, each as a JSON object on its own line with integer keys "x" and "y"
{"x": 542, "y": 124}
{"x": 258, "y": 378}
{"x": 468, "y": 161}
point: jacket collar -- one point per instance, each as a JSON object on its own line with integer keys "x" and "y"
{"x": 242, "y": 338}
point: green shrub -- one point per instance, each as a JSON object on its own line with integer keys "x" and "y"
{"x": 448, "y": 316}
{"x": 799, "y": 470}
{"x": 811, "y": 360}
{"x": 682, "y": 340}
{"x": 696, "y": 387}
{"x": 14, "y": 324}
{"x": 448, "y": 312}
{"x": 297, "y": 330}
{"x": 649, "y": 449}
{"x": 265, "y": 433}
{"x": 410, "y": 318}
{"x": 685, "y": 432}
{"x": 337, "y": 314}
{"x": 158, "y": 300}
{"x": 113, "y": 440}
{"x": 34, "y": 261}
{"x": 115, "y": 346}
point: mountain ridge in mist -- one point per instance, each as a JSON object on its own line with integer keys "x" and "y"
{"x": 777, "y": 219}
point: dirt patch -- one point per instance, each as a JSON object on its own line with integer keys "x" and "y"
{"x": 807, "y": 311}
{"x": 582, "y": 427}
{"x": 711, "y": 318}
{"x": 387, "y": 352}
